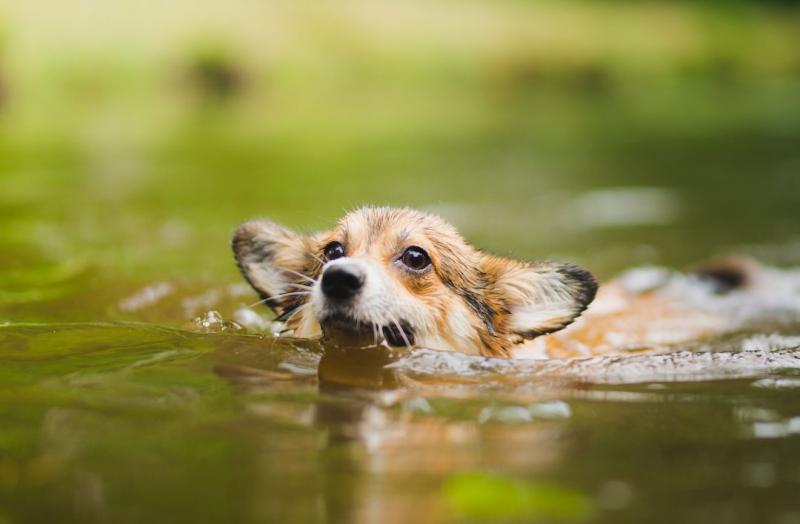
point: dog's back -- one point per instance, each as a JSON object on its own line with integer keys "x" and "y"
{"x": 655, "y": 308}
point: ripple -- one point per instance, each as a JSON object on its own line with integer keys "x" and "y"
{"x": 618, "y": 369}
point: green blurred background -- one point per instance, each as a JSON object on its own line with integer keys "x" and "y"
{"x": 134, "y": 136}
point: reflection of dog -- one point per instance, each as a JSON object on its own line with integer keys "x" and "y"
{"x": 407, "y": 278}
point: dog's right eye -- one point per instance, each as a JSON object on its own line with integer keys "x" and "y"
{"x": 334, "y": 250}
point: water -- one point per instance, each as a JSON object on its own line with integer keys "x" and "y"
{"x": 124, "y": 399}
{"x": 123, "y": 421}
{"x": 130, "y": 422}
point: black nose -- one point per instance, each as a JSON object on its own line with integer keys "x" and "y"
{"x": 341, "y": 282}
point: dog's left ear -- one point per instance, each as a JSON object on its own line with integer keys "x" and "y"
{"x": 540, "y": 297}
{"x": 274, "y": 260}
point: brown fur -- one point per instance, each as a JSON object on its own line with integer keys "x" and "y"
{"x": 469, "y": 300}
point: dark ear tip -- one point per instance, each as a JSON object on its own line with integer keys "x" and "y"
{"x": 242, "y": 240}
{"x": 247, "y": 230}
{"x": 242, "y": 236}
{"x": 584, "y": 283}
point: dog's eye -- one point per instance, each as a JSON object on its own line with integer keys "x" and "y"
{"x": 334, "y": 250}
{"x": 416, "y": 258}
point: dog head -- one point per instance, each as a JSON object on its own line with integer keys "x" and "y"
{"x": 404, "y": 277}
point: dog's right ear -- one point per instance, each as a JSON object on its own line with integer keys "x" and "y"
{"x": 275, "y": 260}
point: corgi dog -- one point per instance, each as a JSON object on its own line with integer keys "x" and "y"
{"x": 402, "y": 277}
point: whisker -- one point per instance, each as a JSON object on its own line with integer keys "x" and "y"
{"x": 288, "y": 312}
{"x": 279, "y": 296}
{"x": 262, "y": 301}
{"x": 402, "y": 332}
{"x": 295, "y": 312}
{"x": 301, "y": 275}
{"x": 302, "y": 286}
{"x": 289, "y": 294}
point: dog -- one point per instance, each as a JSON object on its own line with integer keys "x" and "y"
{"x": 402, "y": 277}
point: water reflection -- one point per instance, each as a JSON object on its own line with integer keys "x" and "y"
{"x": 351, "y": 368}
{"x": 246, "y": 428}
{"x": 388, "y": 436}
{"x": 383, "y": 440}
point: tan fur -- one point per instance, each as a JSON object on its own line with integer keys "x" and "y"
{"x": 477, "y": 303}
{"x": 468, "y": 301}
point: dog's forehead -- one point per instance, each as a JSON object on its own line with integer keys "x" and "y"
{"x": 368, "y": 226}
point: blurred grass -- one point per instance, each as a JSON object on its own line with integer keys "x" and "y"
{"x": 309, "y": 73}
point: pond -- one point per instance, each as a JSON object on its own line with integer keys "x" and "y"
{"x": 139, "y": 382}
{"x": 125, "y": 398}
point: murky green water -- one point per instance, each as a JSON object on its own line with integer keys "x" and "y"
{"x": 134, "y": 422}
{"x": 128, "y": 156}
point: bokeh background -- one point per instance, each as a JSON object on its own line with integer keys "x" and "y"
{"x": 135, "y": 136}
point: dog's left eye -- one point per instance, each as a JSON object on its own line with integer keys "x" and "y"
{"x": 416, "y": 258}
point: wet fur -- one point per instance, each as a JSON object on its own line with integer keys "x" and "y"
{"x": 469, "y": 301}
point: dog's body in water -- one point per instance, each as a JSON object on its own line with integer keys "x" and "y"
{"x": 401, "y": 277}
